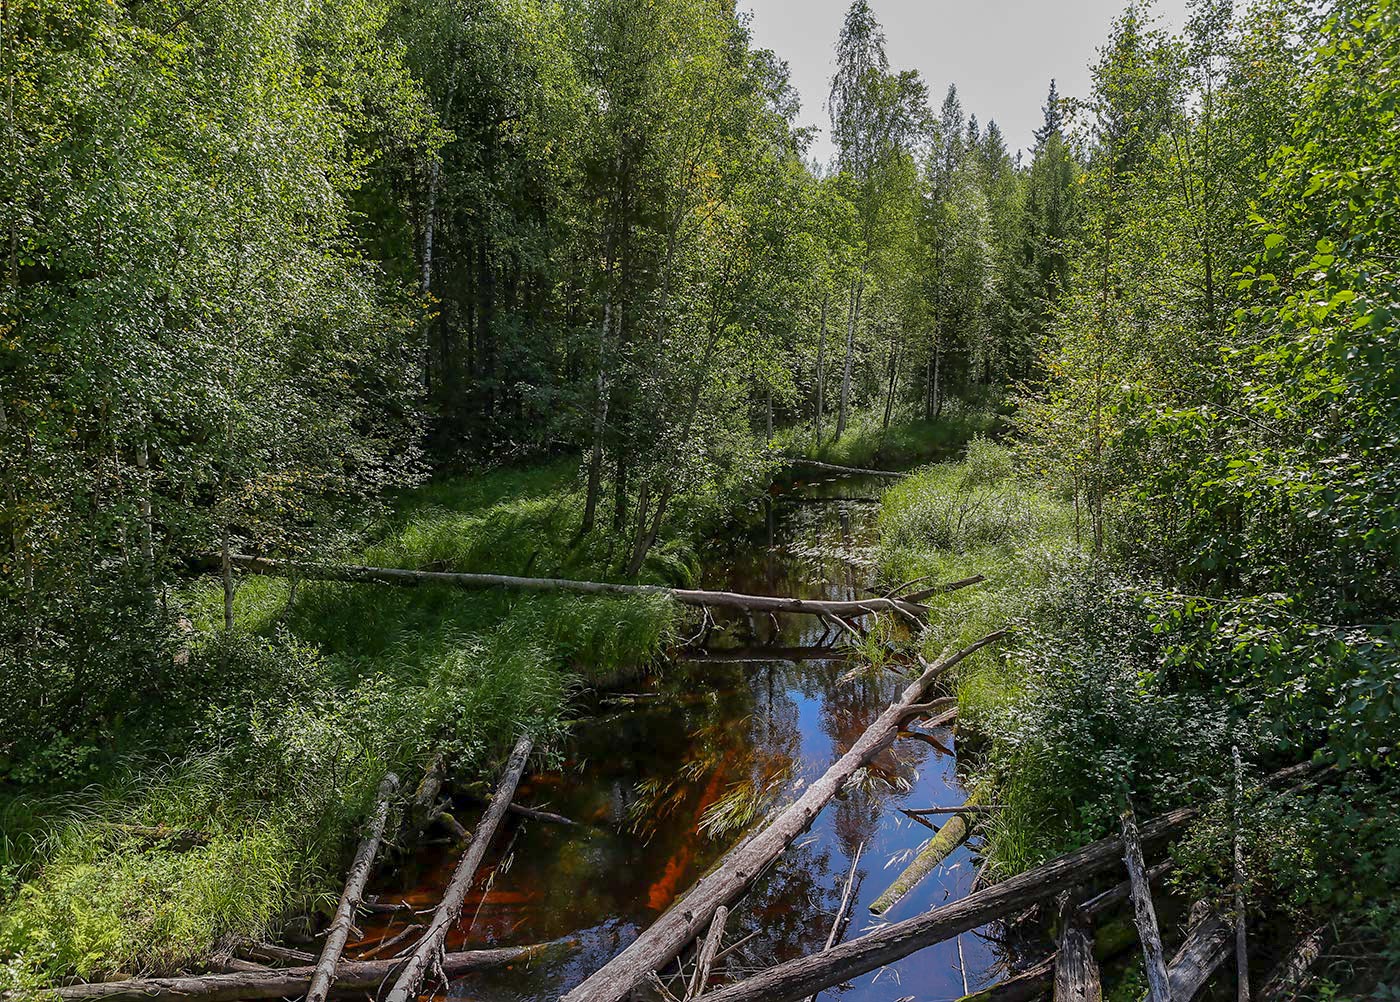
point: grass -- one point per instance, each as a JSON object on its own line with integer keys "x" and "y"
{"x": 908, "y": 441}
{"x": 280, "y": 731}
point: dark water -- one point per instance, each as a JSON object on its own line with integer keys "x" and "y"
{"x": 664, "y": 779}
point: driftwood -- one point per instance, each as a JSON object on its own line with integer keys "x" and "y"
{"x": 706, "y": 958}
{"x": 1076, "y": 970}
{"x": 1207, "y": 944}
{"x": 548, "y": 817}
{"x": 1145, "y": 915}
{"x": 271, "y": 953}
{"x": 1287, "y": 979}
{"x": 799, "y": 978}
{"x": 392, "y": 941}
{"x": 955, "y": 832}
{"x": 287, "y": 981}
{"x": 360, "y": 868}
{"x": 684, "y": 920}
{"x": 426, "y": 953}
{"x": 685, "y": 596}
{"x": 851, "y": 470}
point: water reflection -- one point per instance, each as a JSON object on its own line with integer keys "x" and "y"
{"x": 663, "y": 785}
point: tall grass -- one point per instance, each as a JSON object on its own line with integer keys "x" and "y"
{"x": 908, "y": 441}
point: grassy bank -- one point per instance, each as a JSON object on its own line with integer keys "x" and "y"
{"x": 261, "y": 762}
{"x": 908, "y": 441}
{"x": 1111, "y": 684}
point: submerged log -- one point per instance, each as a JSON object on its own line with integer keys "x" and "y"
{"x": 1154, "y": 960}
{"x": 287, "y": 981}
{"x": 955, "y": 831}
{"x": 799, "y": 978}
{"x": 684, "y": 920}
{"x": 549, "y": 817}
{"x": 686, "y": 596}
{"x": 339, "y": 930}
{"x": 426, "y": 953}
{"x": 851, "y": 470}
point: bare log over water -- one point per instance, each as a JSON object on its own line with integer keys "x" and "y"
{"x": 1158, "y": 989}
{"x": 799, "y": 978}
{"x": 850, "y": 470}
{"x": 340, "y": 926}
{"x": 682, "y": 923}
{"x": 426, "y": 953}
{"x": 288, "y": 981}
{"x": 685, "y": 596}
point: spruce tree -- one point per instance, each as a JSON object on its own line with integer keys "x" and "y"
{"x": 1054, "y": 117}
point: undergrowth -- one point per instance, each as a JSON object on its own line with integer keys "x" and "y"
{"x": 270, "y": 748}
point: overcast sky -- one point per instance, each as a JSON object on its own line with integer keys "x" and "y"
{"x": 1000, "y": 53}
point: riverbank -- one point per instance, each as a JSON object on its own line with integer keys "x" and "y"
{"x": 270, "y": 748}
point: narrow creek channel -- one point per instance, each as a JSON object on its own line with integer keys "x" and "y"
{"x": 665, "y": 778}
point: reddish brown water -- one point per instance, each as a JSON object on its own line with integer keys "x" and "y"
{"x": 649, "y": 776}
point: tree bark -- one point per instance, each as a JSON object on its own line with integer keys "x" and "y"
{"x": 716, "y": 599}
{"x": 682, "y": 922}
{"x": 426, "y": 954}
{"x": 799, "y": 978}
{"x": 352, "y": 975}
{"x": 1076, "y": 969}
{"x": 1158, "y": 989}
{"x": 339, "y": 930}
{"x": 1207, "y": 945}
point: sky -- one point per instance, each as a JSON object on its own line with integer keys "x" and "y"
{"x": 1000, "y": 53}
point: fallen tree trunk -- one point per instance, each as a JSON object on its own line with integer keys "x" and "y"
{"x": 339, "y": 930}
{"x": 706, "y": 959}
{"x": 549, "y": 817}
{"x": 799, "y": 978}
{"x": 682, "y": 922}
{"x": 838, "y": 925}
{"x": 1287, "y": 979}
{"x": 955, "y": 832}
{"x": 847, "y": 469}
{"x": 944, "y": 589}
{"x": 686, "y": 596}
{"x": 426, "y": 953}
{"x": 286, "y": 981}
{"x": 1207, "y": 945}
{"x": 272, "y": 953}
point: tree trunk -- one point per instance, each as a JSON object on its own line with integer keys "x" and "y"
{"x": 226, "y": 574}
{"x": 600, "y": 423}
{"x": 846, "y": 469}
{"x": 821, "y": 370}
{"x": 799, "y": 978}
{"x": 351, "y": 975}
{"x": 1207, "y": 945}
{"x": 889, "y": 393}
{"x": 682, "y": 922}
{"x": 339, "y": 930}
{"x": 476, "y": 582}
{"x": 857, "y": 289}
{"x": 426, "y": 955}
{"x": 1076, "y": 970}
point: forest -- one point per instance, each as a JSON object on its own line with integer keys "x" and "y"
{"x": 487, "y": 513}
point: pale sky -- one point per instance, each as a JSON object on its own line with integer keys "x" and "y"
{"x": 1000, "y": 53}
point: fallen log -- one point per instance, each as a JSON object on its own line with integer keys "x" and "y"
{"x": 1207, "y": 944}
{"x": 838, "y": 925}
{"x": 1145, "y": 915}
{"x": 286, "y": 981}
{"x": 363, "y": 862}
{"x": 955, "y": 831}
{"x": 271, "y": 953}
{"x": 549, "y": 817}
{"x": 944, "y": 589}
{"x": 851, "y": 470}
{"x": 1289, "y": 977}
{"x": 392, "y": 941}
{"x": 799, "y": 978}
{"x": 686, "y": 596}
{"x": 1077, "y": 977}
{"x": 428, "y": 949}
{"x": 789, "y": 499}
{"x": 682, "y": 922}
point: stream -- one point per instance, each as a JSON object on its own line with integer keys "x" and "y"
{"x": 665, "y": 777}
